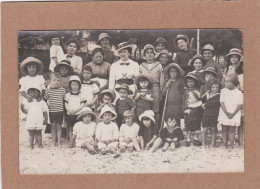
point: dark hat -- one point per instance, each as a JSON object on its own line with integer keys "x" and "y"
{"x": 148, "y": 77}
{"x": 124, "y": 45}
{"x": 192, "y": 75}
{"x": 64, "y": 63}
{"x": 111, "y": 92}
{"x": 160, "y": 40}
{"x": 198, "y": 56}
{"x": 181, "y": 36}
{"x": 234, "y": 51}
{"x": 208, "y": 47}
{"x": 124, "y": 86}
{"x": 208, "y": 70}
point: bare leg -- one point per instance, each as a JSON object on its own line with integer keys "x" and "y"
{"x": 241, "y": 136}
{"x": 213, "y": 136}
{"x": 165, "y": 146}
{"x": 39, "y": 138}
{"x": 70, "y": 129}
{"x": 122, "y": 149}
{"x": 156, "y": 144}
{"x": 31, "y": 137}
{"x": 130, "y": 149}
{"x": 112, "y": 150}
{"x": 136, "y": 144}
{"x": 172, "y": 146}
{"x": 225, "y": 135}
{"x": 59, "y": 131}
{"x": 231, "y": 135}
{"x": 205, "y": 135}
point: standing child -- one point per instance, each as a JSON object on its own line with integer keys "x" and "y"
{"x": 123, "y": 103}
{"x": 148, "y": 132}
{"x": 208, "y": 53}
{"x": 55, "y": 97}
{"x": 74, "y": 103}
{"x": 106, "y": 97}
{"x": 160, "y": 44}
{"x": 153, "y": 69}
{"x": 128, "y": 135}
{"x": 171, "y": 135}
{"x": 143, "y": 95}
{"x": 164, "y": 57}
{"x": 232, "y": 59}
{"x": 36, "y": 115}
{"x": 198, "y": 62}
{"x": 192, "y": 109}
{"x": 107, "y": 131}
{"x": 207, "y": 77}
{"x": 231, "y": 102}
{"x": 84, "y": 131}
{"x": 56, "y": 52}
{"x": 174, "y": 86}
{"x": 211, "y": 110}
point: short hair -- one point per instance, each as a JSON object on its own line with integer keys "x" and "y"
{"x": 143, "y": 79}
{"x": 54, "y": 74}
{"x": 233, "y": 78}
{"x": 32, "y": 63}
{"x": 73, "y": 40}
{"x": 71, "y": 82}
{"x": 172, "y": 116}
{"x": 106, "y": 94}
{"x": 215, "y": 82}
{"x": 87, "y": 68}
{"x": 36, "y": 90}
{"x": 96, "y": 50}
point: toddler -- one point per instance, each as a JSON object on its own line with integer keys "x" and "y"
{"x": 106, "y": 97}
{"x": 56, "y": 52}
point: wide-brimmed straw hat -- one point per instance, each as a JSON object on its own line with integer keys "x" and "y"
{"x": 107, "y": 109}
{"x": 181, "y": 36}
{"x": 102, "y": 36}
{"x": 124, "y": 45}
{"x": 111, "y": 92}
{"x": 173, "y": 65}
{"x": 198, "y": 56}
{"x": 208, "y": 47}
{"x": 148, "y": 77}
{"x": 124, "y": 86}
{"x": 28, "y": 60}
{"x": 64, "y": 63}
{"x": 208, "y": 70}
{"x": 149, "y": 114}
{"x": 234, "y": 51}
{"x": 86, "y": 111}
{"x": 193, "y": 76}
{"x": 164, "y": 52}
{"x": 160, "y": 40}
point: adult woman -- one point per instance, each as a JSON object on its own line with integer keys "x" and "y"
{"x": 124, "y": 70}
{"x": 100, "y": 68}
{"x": 104, "y": 43}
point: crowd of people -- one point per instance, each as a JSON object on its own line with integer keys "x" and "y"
{"x": 113, "y": 103}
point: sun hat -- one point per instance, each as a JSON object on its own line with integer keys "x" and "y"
{"x": 107, "y": 109}
{"x": 125, "y": 45}
{"x": 164, "y": 52}
{"x": 148, "y": 46}
{"x": 128, "y": 113}
{"x": 173, "y": 65}
{"x": 234, "y": 51}
{"x": 208, "y": 47}
{"x": 148, "y": 77}
{"x": 28, "y": 60}
{"x": 160, "y": 40}
{"x": 198, "y": 56}
{"x": 181, "y": 36}
{"x": 111, "y": 92}
{"x": 75, "y": 78}
{"x": 208, "y": 70}
{"x": 124, "y": 86}
{"x": 147, "y": 113}
{"x": 33, "y": 86}
{"x": 192, "y": 75}
{"x": 64, "y": 63}
{"x": 86, "y": 111}
{"x": 102, "y": 36}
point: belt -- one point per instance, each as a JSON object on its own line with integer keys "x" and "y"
{"x": 125, "y": 81}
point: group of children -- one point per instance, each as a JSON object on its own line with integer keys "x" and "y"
{"x": 144, "y": 119}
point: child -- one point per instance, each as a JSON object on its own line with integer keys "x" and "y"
{"x": 65, "y": 70}
{"x": 148, "y": 132}
{"x": 192, "y": 109}
{"x": 143, "y": 95}
{"x": 74, "y": 103}
{"x": 55, "y": 97}
{"x": 160, "y": 44}
{"x": 211, "y": 110}
{"x": 84, "y": 131}
{"x": 232, "y": 59}
{"x": 198, "y": 62}
{"x": 73, "y": 46}
{"x": 208, "y": 53}
{"x": 36, "y": 115}
{"x": 123, "y": 103}
{"x": 174, "y": 86}
{"x": 154, "y": 70}
{"x": 31, "y": 67}
{"x": 231, "y": 101}
{"x": 56, "y": 52}
{"x": 164, "y": 58}
{"x": 128, "y": 136}
{"x": 207, "y": 77}
{"x": 171, "y": 135}
{"x": 185, "y": 53}
{"x": 89, "y": 89}
{"x": 107, "y": 131}
{"x": 106, "y": 97}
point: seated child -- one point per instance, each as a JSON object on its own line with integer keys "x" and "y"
{"x": 171, "y": 135}
{"x": 192, "y": 109}
{"x": 107, "y": 131}
{"x": 106, "y": 97}
{"x": 148, "y": 131}
{"x": 128, "y": 135}
{"x": 84, "y": 131}
{"x": 211, "y": 110}
{"x": 123, "y": 103}
{"x": 36, "y": 115}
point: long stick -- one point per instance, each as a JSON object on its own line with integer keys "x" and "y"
{"x": 198, "y": 41}
{"x": 164, "y": 108}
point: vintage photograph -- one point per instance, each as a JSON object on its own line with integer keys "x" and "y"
{"x": 131, "y": 101}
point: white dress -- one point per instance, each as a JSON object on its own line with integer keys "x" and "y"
{"x": 55, "y": 51}
{"x": 231, "y": 99}
{"x": 84, "y": 132}
{"x": 34, "y": 120}
{"x": 128, "y": 132}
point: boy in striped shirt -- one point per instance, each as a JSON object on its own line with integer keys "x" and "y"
{"x": 55, "y": 97}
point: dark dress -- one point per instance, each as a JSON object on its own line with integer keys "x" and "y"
{"x": 121, "y": 107}
{"x": 148, "y": 132}
{"x": 177, "y": 133}
{"x": 141, "y": 104}
{"x": 182, "y": 58}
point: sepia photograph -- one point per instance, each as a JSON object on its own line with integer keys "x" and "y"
{"x": 131, "y": 101}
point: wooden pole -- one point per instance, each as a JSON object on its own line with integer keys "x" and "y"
{"x": 164, "y": 108}
{"x": 198, "y": 41}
